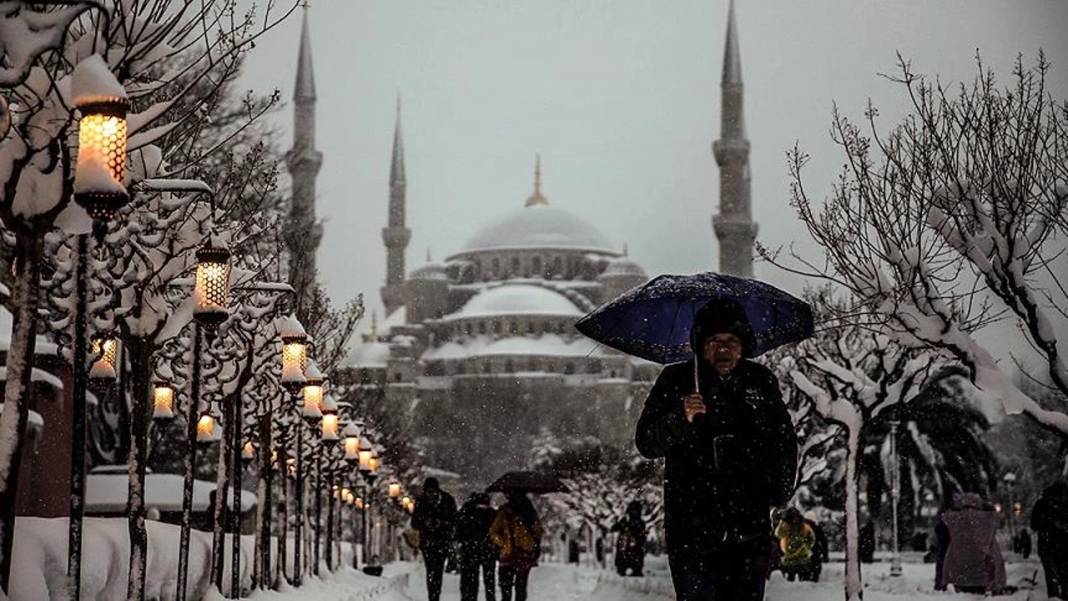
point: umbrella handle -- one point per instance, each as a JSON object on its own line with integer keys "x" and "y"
{"x": 696, "y": 380}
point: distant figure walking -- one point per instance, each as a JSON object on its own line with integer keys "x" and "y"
{"x": 820, "y": 553}
{"x": 973, "y": 562}
{"x": 630, "y": 543}
{"x": 797, "y": 541}
{"x": 1049, "y": 520}
{"x": 477, "y": 553}
{"x": 434, "y": 518}
{"x": 516, "y": 532}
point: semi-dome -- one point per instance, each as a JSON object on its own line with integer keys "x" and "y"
{"x": 368, "y": 355}
{"x": 517, "y": 299}
{"x": 539, "y": 226}
{"x": 429, "y": 271}
{"x": 623, "y": 266}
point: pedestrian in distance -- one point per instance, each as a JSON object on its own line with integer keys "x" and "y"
{"x": 797, "y": 541}
{"x": 516, "y": 532}
{"x": 973, "y": 562}
{"x": 477, "y": 553}
{"x": 731, "y": 455}
{"x": 630, "y": 541}
{"x": 434, "y": 518}
{"x": 1049, "y": 520}
{"x": 820, "y": 553}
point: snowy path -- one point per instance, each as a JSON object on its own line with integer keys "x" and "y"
{"x": 555, "y": 582}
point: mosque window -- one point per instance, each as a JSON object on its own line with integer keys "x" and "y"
{"x": 560, "y": 328}
{"x": 513, "y": 328}
{"x": 509, "y": 367}
{"x": 397, "y": 376}
{"x": 467, "y": 328}
{"x": 516, "y": 266}
{"x": 496, "y": 327}
{"x": 481, "y": 327}
{"x": 530, "y": 327}
{"x": 569, "y": 368}
{"x": 461, "y": 368}
{"x": 535, "y": 365}
{"x": 496, "y": 267}
{"x": 595, "y": 367}
{"x": 487, "y": 367}
{"x": 558, "y": 268}
{"x": 535, "y": 267}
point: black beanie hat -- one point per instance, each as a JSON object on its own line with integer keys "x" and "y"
{"x": 722, "y": 317}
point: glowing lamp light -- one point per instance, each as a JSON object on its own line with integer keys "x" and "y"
{"x": 206, "y": 427}
{"x": 366, "y": 454}
{"x": 248, "y": 452}
{"x": 103, "y": 371}
{"x": 374, "y": 464}
{"x": 294, "y": 355}
{"x": 313, "y": 400}
{"x": 394, "y": 490}
{"x": 211, "y": 291}
{"x": 329, "y": 427}
{"x": 351, "y": 442}
{"x": 100, "y": 173}
{"x": 162, "y": 402}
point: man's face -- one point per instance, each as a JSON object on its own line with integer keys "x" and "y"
{"x": 722, "y": 352}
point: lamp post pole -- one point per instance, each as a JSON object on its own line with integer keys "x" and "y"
{"x": 78, "y": 424}
{"x": 190, "y": 463}
{"x": 895, "y": 496}
{"x": 235, "y": 513}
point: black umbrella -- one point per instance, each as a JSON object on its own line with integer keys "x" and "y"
{"x": 531, "y": 482}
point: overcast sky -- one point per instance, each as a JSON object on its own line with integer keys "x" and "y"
{"x": 620, "y": 97}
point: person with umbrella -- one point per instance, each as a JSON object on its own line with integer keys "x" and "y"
{"x": 476, "y": 551}
{"x": 716, "y": 416}
{"x": 516, "y": 531}
{"x": 434, "y": 517}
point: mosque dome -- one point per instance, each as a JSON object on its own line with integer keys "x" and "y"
{"x": 368, "y": 355}
{"x": 623, "y": 266}
{"x": 429, "y": 271}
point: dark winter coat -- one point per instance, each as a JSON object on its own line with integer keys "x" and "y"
{"x": 630, "y": 544}
{"x": 1049, "y": 520}
{"x": 435, "y": 521}
{"x": 473, "y": 524}
{"x": 973, "y": 558}
{"x": 726, "y": 470}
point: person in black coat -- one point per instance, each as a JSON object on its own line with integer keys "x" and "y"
{"x": 1049, "y": 520}
{"x": 434, "y": 518}
{"x": 630, "y": 542}
{"x": 731, "y": 455}
{"x": 476, "y": 551}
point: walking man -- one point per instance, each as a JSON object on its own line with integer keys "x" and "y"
{"x": 731, "y": 455}
{"x": 434, "y": 517}
{"x": 476, "y": 551}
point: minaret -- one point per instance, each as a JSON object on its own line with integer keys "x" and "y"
{"x": 537, "y": 198}
{"x": 395, "y": 235}
{"x": 733, "y": 225}
{"x": 303, "y": 162}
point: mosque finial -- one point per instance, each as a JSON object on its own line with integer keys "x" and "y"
{"x": 625, "y": 250}
{"x": 537, "y": 198}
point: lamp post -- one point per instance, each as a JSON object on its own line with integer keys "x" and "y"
{"x": 294, "y": 362}
{"x": 895, "y": 496}
{"x": 1010, "y": 482}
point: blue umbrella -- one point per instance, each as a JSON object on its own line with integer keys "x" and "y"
{"x": 654, "y": 320}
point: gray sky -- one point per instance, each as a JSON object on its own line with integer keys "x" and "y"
{"x": 620, "y": 97}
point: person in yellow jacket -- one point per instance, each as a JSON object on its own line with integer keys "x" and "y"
{"x": 516, "y": 532}
{"x": 797, "y": 541}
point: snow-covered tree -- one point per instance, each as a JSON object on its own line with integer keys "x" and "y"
{"x": 955, "y": 218}
{"x": 852, "y": 375}
{"x": 160, "y": 56}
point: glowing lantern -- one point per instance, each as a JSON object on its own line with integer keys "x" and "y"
{"x": 162, "y": 402}
{"x": 206, "y": 426}
{"x": 329, "y": 427}
{"x": 100, "y": 174}
{"x": 366, "y": 454}
{"x": 248, "y": 452}
{"x": 394, "y": 490}
{"x": 313, "y": 392}
{"x": 294, "y": 355}
{"x": 211, "y": 292}
{"x": 104, "y": 369}
{"x": 351, "y": 442}
{"x": 374, "y": 464}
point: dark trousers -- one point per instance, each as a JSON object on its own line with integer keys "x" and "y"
{"x": 434, "y": 558}
{"x": 469, "y": 568}
{"x": 728, "y": 572}
{"x": 514, "y": 577}
{"x": 1056, "y": 569}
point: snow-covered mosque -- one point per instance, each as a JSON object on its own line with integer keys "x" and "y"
{"x": 479, "y": 351}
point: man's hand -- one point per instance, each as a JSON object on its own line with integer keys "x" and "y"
{"x": 694, "y": 405}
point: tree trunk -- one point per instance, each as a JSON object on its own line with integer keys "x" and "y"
{"x": 16, "y": 411}
{"x": 189, "y": 466}
{"x": 330, "y": 525}
{"x": 222, "y": 486}
{"x": 78, "y": 427}
{"x": 264, "y": 507}
{"x": 298, "y": 533}
{"x": 318, "y": 508}
{"x": 283, "y": 532}
{"x": 236, "y": 468}
{"x": 140, "y": 356}
{"x": 854, "y": 591}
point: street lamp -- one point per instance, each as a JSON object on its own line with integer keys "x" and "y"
{"x": 207, "y": 425}
{"x": 329, "y": 427}
{"x": 351, "y": 442}
{"x": 105, "y": 368}
{"x": 313, "y": 392}
{"x": 248, "y": 453}
{"x": 211, "y": 290}
{"x": 294, "y": 355}
{"x": 365, "y": 456}
{"x": 100, "y": 173}
{"x": 895, "y": 496}
{"x": 394, "y": 490}
{"x": 162, "y": 402}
